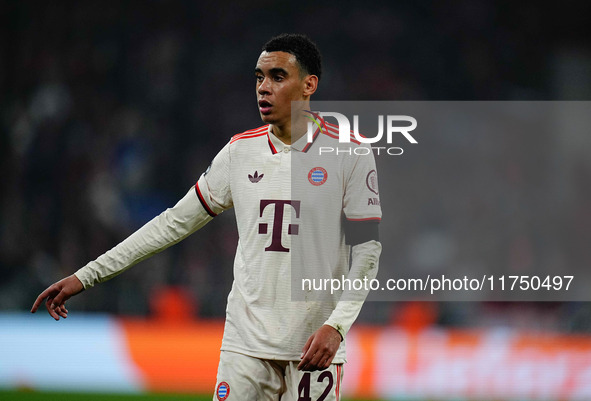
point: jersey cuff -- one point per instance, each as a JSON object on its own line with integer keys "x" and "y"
{"x": 338, "y": 328}
{"x": 202, "y": 200}
{"x": 85, "y": 278}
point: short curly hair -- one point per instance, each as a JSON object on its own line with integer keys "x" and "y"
{"x": 305, "y": 51}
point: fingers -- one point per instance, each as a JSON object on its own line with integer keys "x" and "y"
{"x": 327, "y": 362}
{"x": 315, "y": 361}
{"x": 50, "y": 306}
{"x": 320, "y": 349}
{"x": 61, "y": 310}
{"x": 55, "y": 308}
{"x": 305, "y": 353}
{"x": 56, "y": 296}
{"x": 315, "y": 358}
{"x": 307, "y": 345}
{"x": 322, "y": 359}
{"x": 40, "y": 299}
{"x": 54, "y": 302}
{"x": 60, "y": 299}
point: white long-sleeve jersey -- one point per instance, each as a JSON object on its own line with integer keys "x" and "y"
{"x": 291, "y": 206}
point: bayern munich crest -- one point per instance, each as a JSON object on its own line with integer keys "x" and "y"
{"x": 222, "y": 391}
{"x": 317, "y": 176}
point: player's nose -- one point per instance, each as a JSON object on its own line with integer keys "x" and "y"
{"x": 264, "y": 86}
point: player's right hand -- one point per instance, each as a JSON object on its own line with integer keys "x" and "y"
{"x": 57, "y": 294}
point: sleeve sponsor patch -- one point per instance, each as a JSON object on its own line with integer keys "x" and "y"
{"x": 372, "y": 181}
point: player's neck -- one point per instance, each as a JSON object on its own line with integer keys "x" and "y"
{"x": 289, "y": 133}
{"x": 283, "y": 132}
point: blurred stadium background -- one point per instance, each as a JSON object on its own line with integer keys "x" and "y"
{"x": 110, "y": 111}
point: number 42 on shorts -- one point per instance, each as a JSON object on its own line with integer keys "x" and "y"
{"x": 325, "y": 378}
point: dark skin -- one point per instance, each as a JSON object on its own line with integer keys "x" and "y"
{"x": 279, "y": 81}
{"x": 320, "y": 349}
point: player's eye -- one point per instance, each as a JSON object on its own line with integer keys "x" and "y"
{"x": 278, "y": 78}
{"x": 259, "y": 78}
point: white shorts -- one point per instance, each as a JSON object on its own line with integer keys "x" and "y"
{"x": 245, "y": 378}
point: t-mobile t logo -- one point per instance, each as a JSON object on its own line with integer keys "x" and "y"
{"x": 292, "y": 229}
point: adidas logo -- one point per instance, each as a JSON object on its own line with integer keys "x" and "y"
{"x": 255, "y": 178}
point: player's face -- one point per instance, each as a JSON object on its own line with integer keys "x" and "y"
{"x": 278, "y": 82}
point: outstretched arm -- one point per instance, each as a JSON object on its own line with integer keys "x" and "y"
{"x": 170, "y": 227}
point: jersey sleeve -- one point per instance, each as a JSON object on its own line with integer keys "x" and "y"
{"x": 164, "y": 230}
{"x": 361, "y": 200}
{"x": 213, "y": 187}
{"x": 364, "y": 266}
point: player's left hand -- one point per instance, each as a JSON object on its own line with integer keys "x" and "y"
{"x": 320, "y": 349}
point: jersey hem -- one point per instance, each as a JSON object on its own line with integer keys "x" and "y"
{"x": 364, "y": 219}
{"x": 274, "y": 356}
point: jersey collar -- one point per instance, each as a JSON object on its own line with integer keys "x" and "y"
{"x": 301, "y": 145}
{"x": 275, "y": 144}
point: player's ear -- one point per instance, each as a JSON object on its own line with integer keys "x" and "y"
{"x": 310, "y": 84}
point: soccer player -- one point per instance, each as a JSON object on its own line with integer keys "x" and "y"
{"x": 286, "y": 203}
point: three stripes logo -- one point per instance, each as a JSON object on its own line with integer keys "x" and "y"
{"x": 223, "y": 391}
{"x": 255, "y": 177}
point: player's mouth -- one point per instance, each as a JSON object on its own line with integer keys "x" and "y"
{"x": 265, "y": 107}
